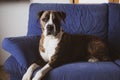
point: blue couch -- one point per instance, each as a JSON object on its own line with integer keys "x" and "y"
{"x": 102, "y": 20}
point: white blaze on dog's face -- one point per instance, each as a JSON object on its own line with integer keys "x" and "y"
{"x": 51, "y": 22}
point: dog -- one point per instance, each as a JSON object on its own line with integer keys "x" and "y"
{"x": 58, "y": 47}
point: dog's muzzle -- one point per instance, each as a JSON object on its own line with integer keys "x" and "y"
{"x": 50, "y": 30}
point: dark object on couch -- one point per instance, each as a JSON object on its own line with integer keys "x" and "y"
{"x": 102, "y": 20}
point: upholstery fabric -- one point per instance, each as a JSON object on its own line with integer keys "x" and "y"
{"x": 82, "y": 71}
{"x": 114, "y": 29}
{"x": 24, "y": 49}
{"x": 114, "y": 26}
{"x": 86, "y": 71}
{"x": 84, "y": 19}
{"x": 13, "y": 68}
{"x": 117, "y": 62}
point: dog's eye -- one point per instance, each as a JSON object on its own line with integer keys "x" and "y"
{"x": 45, "y": 19}
{"x": 55, "y": 20}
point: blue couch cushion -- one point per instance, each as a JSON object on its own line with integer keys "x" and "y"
{"x": 84, "y": 19}
{"x": 114, "y": 30}
{"x": 117, "y": 62}
{"x": 82, "y": 71}
{"x": 15, "y": 70}
{"x": 114, "y": 26}
{"x": 85, "y": 71}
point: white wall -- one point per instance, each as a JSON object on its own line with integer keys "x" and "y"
{"x": 13, "y": 22}
{"x": 50, "y": 1}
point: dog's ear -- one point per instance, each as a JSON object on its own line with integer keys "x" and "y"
{"x": 62, "y": 15}
{"x": 40, "y": 14}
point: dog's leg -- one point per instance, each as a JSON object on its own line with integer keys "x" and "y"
{"x": 28, "y": 74}
{"x": 39, "y": 75}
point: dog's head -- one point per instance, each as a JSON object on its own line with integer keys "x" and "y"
{"x": 51, "y": 22}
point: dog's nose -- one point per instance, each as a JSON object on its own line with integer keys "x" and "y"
{"x": 50, "y": 27}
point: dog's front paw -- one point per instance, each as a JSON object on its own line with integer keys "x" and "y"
{"x": 36, "y": 78}
{"x": 93, "y": 59}
{"x": 26, "y": 77}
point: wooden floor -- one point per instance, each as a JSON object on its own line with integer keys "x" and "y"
{"x": 3, "y": 74}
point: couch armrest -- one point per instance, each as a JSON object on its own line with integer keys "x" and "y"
{"x": 24, "y": 49}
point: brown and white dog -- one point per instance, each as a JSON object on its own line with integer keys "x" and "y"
{"x": 58, "y": 48}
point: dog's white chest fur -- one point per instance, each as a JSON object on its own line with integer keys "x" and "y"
{"x": 50, "y": 44}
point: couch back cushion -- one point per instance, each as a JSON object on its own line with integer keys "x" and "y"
{"x": 114, "y": 26}
{"x": 80, "y": 18}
